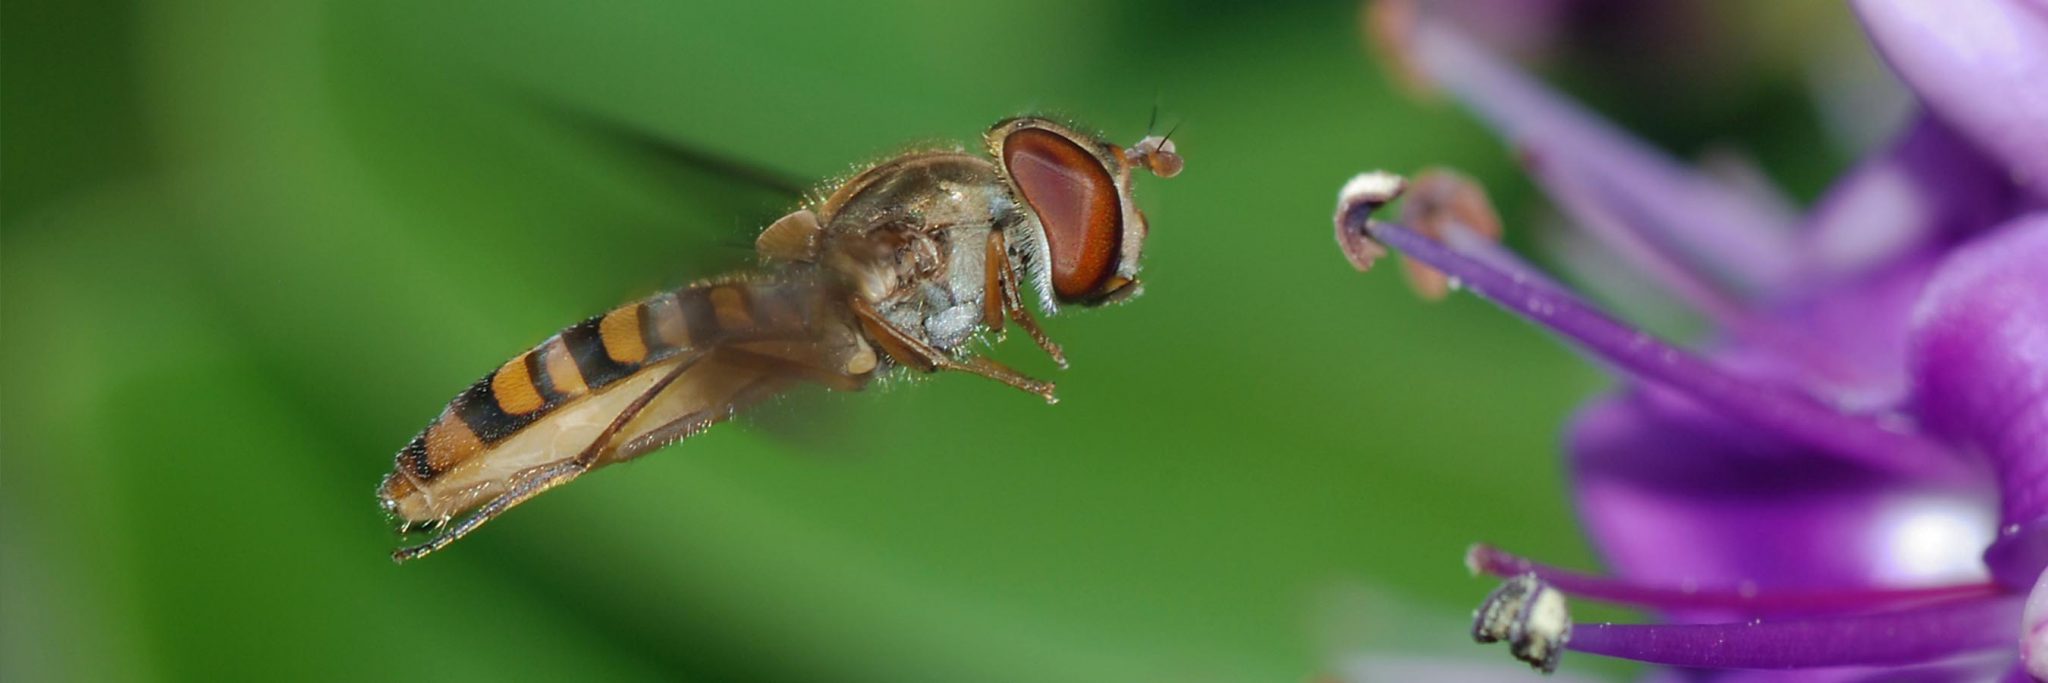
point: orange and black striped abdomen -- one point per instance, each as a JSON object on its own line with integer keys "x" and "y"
{"x": 587, "y": 357}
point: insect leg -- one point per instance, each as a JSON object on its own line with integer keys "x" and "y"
{"x": 697, "y": 421}
{"x": 916, "y": 353}
{"x": 1006, "y": 289}
{"x": 995, "y": 268}
{"x": 540, "y": 480}
{"x": 528, "y": 487}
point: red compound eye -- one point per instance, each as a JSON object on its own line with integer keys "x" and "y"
{"x": 1076, "y": 200}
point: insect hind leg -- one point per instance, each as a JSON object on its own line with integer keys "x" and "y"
{"x": 529, "y": 486}
{"x": 538, "y": 481}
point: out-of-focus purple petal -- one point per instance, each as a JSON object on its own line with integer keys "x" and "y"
{"x": 1927, "y": 188}
{"x": 1708, "y": 223}
{"x": 2018, "y": 547}
{"x": 1594, "y": 211}
{"x": 1519, "y": 28}
{"x": 1673, "y": 494}
{"x": 1980, "y": 65}
{"x": 1845, "y": 341}
{"x": 1979, "y": 359}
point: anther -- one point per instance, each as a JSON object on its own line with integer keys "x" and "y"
{"x": 1365, "y": 192}
{"x": 1531, "y": 616}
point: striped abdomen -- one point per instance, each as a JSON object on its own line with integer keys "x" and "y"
{"x": 568, "y": 383}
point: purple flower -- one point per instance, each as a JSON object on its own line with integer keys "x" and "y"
{"x": 1853, "y": 471}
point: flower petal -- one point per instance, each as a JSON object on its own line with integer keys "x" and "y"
{"x": 1927, "y": 188}
{"x": 1850, "y": 336}
{"x": 1695, "y": 218}
{"x": 1978, "y": 353}
{"x": 1980, "y": 65}
{"x": 1674, "y": 495}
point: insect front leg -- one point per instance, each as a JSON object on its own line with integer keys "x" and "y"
{"x": 914, "y": 352}
{"x": 995, "y": 268}
{"x": 1003, "y": 292}
{"x": 538, "y": 481}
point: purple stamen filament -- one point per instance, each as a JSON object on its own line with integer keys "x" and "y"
{"x": 1748, "y": 600}
{"x": 1792, "y": 415}
{"x": 1466, "y": 241}
{"x": 1906, "y": 636}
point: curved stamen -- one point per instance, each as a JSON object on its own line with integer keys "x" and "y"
{"x": 1492, "y": 255}
{"x": 1894, "y": 638}
{"x": 1792, "y": 415}
{"x": 1485, "y": 559}
{"x": 1451, "y": 208}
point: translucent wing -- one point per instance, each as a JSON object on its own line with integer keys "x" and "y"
{"x": 624, "y": 383}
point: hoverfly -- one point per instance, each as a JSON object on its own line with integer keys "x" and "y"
{"x": 902, "y": 265}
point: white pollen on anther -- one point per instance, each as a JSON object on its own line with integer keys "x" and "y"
{"x": 1372, "y": 187}
{"x": 1549, "y": 624}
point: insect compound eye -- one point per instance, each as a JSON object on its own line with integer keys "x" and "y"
{"x": 1076, "y": 200}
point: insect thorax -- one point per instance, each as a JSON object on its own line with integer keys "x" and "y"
{"x": 911, "y": 237}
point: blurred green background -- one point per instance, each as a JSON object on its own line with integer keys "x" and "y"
{"x": 251, "y": 248}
